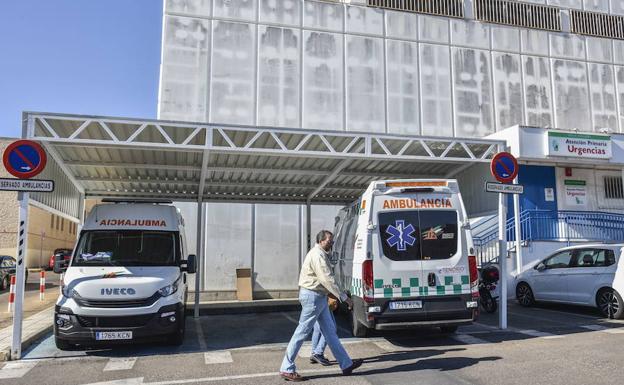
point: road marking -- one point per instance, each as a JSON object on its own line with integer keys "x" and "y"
{"x": 537, "y": 333}
{"x": 16, "y": 369}
{"x": 218, "y": 357}
{"x": 305, "y": 351}
{"x": 600, "y": 328}
{"x": 468, "y": 339}
{"x": 490, "y": 327}
{"x": 120, "y": 363}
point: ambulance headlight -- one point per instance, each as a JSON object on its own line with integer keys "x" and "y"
{"x": 69, "y": 293}
{"x": 170, "y": 289}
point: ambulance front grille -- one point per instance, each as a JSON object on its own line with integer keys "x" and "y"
{"x": 141, "y": 302}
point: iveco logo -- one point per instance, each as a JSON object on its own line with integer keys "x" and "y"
{"x": 118, "y": 291}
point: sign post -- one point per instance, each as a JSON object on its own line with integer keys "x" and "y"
{"x": 504, "y": 167}
{"x": 23, "y": 159}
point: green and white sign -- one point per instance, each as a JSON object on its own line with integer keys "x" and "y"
{"x": 575, "y": 192}
{"x": 589, "y": 146}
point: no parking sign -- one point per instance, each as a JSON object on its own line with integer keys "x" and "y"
{"x": 25, "y": 159}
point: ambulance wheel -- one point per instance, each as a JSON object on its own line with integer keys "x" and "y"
{"x": 177, "y": 338}
{"x": 448, "y": 329}
{"x": 62, "y": 344}
{"x": 357, "y": 328}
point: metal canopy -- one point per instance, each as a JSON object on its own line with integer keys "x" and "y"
{"x": 118, "y": 157}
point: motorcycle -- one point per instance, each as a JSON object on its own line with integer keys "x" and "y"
{"x": 487, "y": 287}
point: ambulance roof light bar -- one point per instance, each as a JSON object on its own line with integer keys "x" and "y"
{"x": 420, "y": 183}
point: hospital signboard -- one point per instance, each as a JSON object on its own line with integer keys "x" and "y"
{"x": 577, "y": 145}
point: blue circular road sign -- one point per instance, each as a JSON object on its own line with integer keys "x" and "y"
{"x": 24, "y": 159}
{"x": 504, "y": 167}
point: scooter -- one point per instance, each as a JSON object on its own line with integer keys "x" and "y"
{"x": 487, "y": 287}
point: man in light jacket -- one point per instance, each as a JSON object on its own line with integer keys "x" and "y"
{"x": 316, "y": 281}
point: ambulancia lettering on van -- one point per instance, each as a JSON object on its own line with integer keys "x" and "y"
{"x": 415, "y": 204}
{"x": 133, "y": 222}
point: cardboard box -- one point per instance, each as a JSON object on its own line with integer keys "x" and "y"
{"x": 243, "y": 285}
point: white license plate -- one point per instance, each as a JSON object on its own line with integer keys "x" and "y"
{"x": 399, "y": 305}
{"x": 105, "y": 336}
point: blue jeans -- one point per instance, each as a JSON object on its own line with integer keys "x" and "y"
{"x": 318, "y": 339}
{"x": 314, "y": 308}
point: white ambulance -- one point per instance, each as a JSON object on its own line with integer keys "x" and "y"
{"x": 404, "y": 252}
{"x": 127, "y": 278}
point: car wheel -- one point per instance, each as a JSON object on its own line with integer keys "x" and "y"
{"x": 357, "y": 328}
{"x": 5, "y": 283}
{"x": 524, "y": 294}
{"x": 610, "y": 303}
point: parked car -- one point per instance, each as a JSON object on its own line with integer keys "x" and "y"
{"x": 7, "y": 269}
{"x": 590, "y": 275}
{"x": 67, "y": 254}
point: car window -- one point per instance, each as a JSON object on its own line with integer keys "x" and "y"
{"x": 604, "y": 258}
{"x": 593, "y": 258}
{"x": 559, "y": 261}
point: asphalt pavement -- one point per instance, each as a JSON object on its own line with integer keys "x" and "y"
{"x": 544, "y": 345}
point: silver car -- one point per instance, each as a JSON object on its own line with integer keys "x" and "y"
{"x": 589, "y": 275}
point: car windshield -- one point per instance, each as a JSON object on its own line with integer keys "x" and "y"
{"x": 127, "y": 248}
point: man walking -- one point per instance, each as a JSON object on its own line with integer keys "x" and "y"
{"x": 316, "y": 281}
{"x": 318, "y": 340}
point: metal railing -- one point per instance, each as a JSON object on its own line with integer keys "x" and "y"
{"x": 519, "y": 14}
{"x": 597, "y": 24}
{"x": 450, "y": 8}
{"x": 547, "y": 225}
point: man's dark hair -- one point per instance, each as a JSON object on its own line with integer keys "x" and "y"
{"x": 322, "y": 235}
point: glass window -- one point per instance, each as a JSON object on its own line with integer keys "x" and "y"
{"x": 559, "y": 260}
{"x": 594, "y": 258}
{"x": 416, "y": 235}
{"x": 128, "y": 248}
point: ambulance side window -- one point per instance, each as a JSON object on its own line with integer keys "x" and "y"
{"x": 399, "y": 233}
{"x": 438, "y": 230}
{"x": 349, "y": 235}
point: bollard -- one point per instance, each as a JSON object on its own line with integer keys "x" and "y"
{"x": 12, "y": 294}
{"x": 41, "y": 285}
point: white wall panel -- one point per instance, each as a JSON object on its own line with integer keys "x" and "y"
{"x": 323, "y": 101}
{"x": 571, "y": 95}
{"x": 578, "y": 4}
{"x": 603, "y": 98}
{"x": 365, "y": 84}
{"x": 433, "y": 29}
{"x": 401, "y": 25}
{"x": 619, "y": 78}
{"x": 245, "y": 10}
{"x": 286, "y": 12}
{"x": 472, "y": 95}
{"x": 276, "y": 264}
{"x": 505, "y": 38}
{"x": 278, "y": 76}
{"x": 184, "y": 86}
{"x": 537, "y": 91}
{"x": 599, "y": 49}
{"x": 534, "y": 42}
{"x": 190, "y": 7}
{"x": 323, "y": 15}
{"x": 596, "y": 5}
{"x": 228, "y": 244}
{"x": 402, "y": 83}
{"x": 507, "y": 90}
{"x": 233, "y": 73}
{"x": 435, "y": 81}
{"x": 567, "y": 46}
{"x": 617, "y": 7}
{"x": 470, "y": 33}
{"x": 364, "y": 20}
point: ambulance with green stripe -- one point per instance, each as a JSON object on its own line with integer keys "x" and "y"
{"x": 404, "y": 252}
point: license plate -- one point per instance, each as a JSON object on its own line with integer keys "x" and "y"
{"x": 406, "y": 305}
{"x": 105, "y": 336}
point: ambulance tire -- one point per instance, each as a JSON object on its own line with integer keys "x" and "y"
{"x": 177, "y": 338}
{"x": 448, "y": 329}
{"x": 62, "y": 344}
{"x": 357, "y": 328}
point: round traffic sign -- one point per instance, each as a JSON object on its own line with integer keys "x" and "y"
{"x": 24, "y": 159}
{"x": 504, "y": 167}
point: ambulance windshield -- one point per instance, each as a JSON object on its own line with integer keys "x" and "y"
{"x": 127, "y": 248}
{"x": 409, "y": 235}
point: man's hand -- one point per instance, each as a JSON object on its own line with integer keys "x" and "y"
{"x": 349, "y": 302}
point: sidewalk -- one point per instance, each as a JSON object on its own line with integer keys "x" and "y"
{"x": 33, "y": 328}
{"x": 244, "y": 307}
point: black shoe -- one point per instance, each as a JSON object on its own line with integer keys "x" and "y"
{"x": 356, "y": 364}
{"x": 319, "y": 359}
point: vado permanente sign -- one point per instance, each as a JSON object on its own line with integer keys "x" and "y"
{"x": 569, "y": 144}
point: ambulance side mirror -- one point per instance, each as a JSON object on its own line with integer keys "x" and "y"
{"x": 190, "y": 265}
{"x": 466, "y": 225}
{"x": 371, "y": 227}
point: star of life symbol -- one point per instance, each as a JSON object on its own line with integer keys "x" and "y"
{"x": 400, "y": 235}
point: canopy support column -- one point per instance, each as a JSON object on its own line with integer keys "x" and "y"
{"x": 308, "y": 225}
{"x": 201, "y": 231}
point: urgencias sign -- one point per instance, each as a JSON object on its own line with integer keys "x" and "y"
{"x": 568, "y": 144}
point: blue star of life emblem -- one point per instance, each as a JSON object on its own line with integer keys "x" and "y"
{"x": 400, "y": 235}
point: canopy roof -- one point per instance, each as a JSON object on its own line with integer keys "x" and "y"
{"x": 137, "y": 158}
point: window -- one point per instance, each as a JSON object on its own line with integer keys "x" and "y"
{"x": 559, "y": 260}
{"x": 613, "y": 187}
{"x": 62, "y": 224}
{"x": 593, "y": 258}
{"x": 418, "y": 235}
{"x": 58, "y": 220}
{"x": 52, "y": 221}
